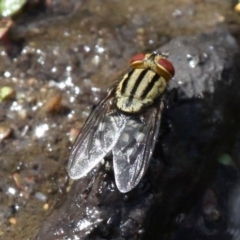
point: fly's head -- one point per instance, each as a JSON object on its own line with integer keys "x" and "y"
{"x": 155, "y": 62}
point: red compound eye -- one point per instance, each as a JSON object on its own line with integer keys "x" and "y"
{"x": 138, "y": 58}
{"x": 167, "y": 65}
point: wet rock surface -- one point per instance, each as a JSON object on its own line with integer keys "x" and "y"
{"x": 59, "y": 60}
{"x": 181, "y": 171}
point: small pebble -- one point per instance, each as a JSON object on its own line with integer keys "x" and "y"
{"x": 73, "y": 133}
{"x": 5, "y": 132}
{"x": 237, "y": 8}
{"x": 13, "y": 221}
{"x": 6, "y": 93}
{"x": 40, "y": 196}
{"x": 46, "y": 206}
{"x": 52, "y": 104}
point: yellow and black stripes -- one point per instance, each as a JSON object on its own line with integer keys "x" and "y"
{"x": 150, "y": 86}
{"x": 123, "y": 84}
{"x": 135, "y": 83}
{"x": 138, "y": 89}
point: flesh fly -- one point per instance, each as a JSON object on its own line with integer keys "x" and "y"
{"x": 125, "y": 123}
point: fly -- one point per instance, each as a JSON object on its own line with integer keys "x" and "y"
{"x": 126, "y": 122}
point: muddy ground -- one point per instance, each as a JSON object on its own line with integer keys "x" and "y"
{"x": 61, "y": 59}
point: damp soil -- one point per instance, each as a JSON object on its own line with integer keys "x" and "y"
{"x": 59, "y": 62}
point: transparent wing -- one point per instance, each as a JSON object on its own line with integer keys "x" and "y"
{"x": 97, "y": 137}
{"x": 134, "y": 148}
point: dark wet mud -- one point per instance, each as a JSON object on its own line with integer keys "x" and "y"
{"x": 59, "y": 60}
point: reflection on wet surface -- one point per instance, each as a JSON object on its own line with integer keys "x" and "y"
{"x": 71, "y": 53}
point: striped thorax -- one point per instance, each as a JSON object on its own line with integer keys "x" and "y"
{"x": 145, "y": 83}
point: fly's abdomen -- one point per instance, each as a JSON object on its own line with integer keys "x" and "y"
{"x": 138, "y": 89}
